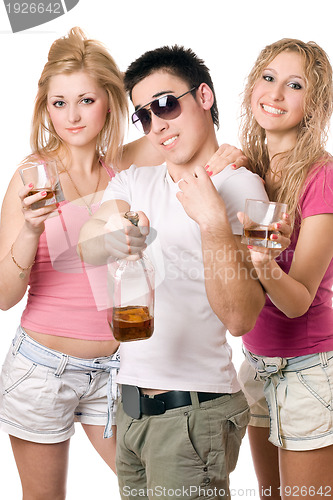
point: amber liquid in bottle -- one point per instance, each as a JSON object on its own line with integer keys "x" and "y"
{"x": 132, "y": 323}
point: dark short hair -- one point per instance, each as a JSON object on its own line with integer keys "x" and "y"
{"x": 178, "y": 61}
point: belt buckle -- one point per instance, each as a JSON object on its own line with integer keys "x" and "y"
{"x": 131, "y": 400}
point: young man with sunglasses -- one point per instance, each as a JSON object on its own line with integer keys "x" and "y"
{"x": 182, "y": 415}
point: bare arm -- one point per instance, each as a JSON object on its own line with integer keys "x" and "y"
{"x": 20, "y": 227}
{"x": 233, "y": 291}
{"x": 235, "y": 296}
{"x": 109, "y": 234}
{"x": 293, "y": 293}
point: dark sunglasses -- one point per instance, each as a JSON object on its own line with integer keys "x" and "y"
{"x": 166, "y": 107}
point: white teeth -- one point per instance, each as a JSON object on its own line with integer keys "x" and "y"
{"x": 274, "y": 111}
{"x": 170, "y": 141}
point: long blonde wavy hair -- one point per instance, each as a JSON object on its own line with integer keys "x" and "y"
{"x": 309, "y": 150}
{"x": 71, "y": 53}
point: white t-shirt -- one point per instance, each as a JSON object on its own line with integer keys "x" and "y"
{"x": 188, "y": 350}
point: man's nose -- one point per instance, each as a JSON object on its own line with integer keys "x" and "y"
{"x": 158, "y": 124}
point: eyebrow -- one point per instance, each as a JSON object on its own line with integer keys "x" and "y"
{"x": 296, "y": 76}
{"x": 158, "y": 94}
{"x": 290, "y": 76}
{"x": 80, "y": 95}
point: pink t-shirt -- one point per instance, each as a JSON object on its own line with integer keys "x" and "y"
{"x": 65, "y": 297}
{"x": 276, "y": 335}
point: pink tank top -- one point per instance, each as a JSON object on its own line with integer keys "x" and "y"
{"x": 67, "y": 298}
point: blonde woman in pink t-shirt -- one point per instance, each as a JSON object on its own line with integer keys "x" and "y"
{"x": 289, "y": 353}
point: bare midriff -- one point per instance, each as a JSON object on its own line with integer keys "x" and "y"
{"x": 85, "y": 349}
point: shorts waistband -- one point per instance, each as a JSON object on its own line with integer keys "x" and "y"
{"x": 60, "y": 362}
{"x": 37, "y": 353}
{"x": 266, "y": 366}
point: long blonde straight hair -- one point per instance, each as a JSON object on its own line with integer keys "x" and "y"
{"x": 69, "y": 54}
{"x": 309, "y": 152}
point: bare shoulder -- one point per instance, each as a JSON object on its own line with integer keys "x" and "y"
{"x": 11, "y": 198}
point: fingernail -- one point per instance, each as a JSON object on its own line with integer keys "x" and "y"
{"x": 286, "y": 216}
{"x": 274, "y": 237}
{"x": 233, "y": 165}
{"x": 209, "y": 173}
{"x": 278, "y": 225}
{"x": 31, "y": 185}
{"x": 59, "y": 211}
{"x": 250, "y": 247}
{"x": 43, "y": 193}
{"x": 206, "y": 167}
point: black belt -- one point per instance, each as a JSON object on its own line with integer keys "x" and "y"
{"x": 135, "y": 404}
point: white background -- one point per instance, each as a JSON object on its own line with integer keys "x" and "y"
{"x": 228, "y": 36}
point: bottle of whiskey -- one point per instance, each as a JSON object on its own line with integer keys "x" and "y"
{"x": 131, "y": 292}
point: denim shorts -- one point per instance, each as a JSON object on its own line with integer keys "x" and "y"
{"x": 43, "y": 392}
{"x": 298, "y": 393}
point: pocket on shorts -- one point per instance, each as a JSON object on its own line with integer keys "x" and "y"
{"x": 235, "y": 428}
{"x": 317, "y": 383}
{"x": 15, "y": 371}
{"x": 239, "y": 421}
{"x": 197, "y": 436}
{"x": 304, "y": 400}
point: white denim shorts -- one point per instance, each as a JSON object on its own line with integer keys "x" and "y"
{"x": 291, "y": 396}
{"x": 43, "y": 392}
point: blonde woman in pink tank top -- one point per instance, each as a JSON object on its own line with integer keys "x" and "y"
{"x": 59, "y": 366}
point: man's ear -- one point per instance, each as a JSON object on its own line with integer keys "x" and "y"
{"x": 205, "y": 96}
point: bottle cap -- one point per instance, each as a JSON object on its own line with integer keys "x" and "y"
{"x": 133, "y": 217}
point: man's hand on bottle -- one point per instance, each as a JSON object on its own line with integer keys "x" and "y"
{"x": 122, "y": 238}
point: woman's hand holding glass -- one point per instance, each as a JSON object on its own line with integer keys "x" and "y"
{"x": 262, "y": 256}
{"x": 34, "y": 218}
